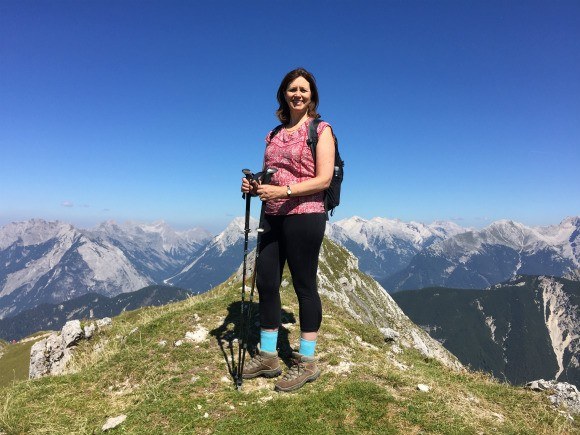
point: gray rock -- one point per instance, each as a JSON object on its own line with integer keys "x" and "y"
{"x": 54, "y": 346}
{"x": 539, "y": 385}
{"x": 389, "y": 334}
{"x": 420, "y": 345}
{"x": 105, "y": 321}
{"x": 71, "y": 333}
{"x": 563, "y": 394}
{"x": 38, "y": 367}
{"x": 197, "y": 336}
{"x": 52, "y": 355}
{"x": 48, "y": 357}
{"x": 58, "y": 366}
{"x": 90, "y": 330}
{"x": 113, "y": 422}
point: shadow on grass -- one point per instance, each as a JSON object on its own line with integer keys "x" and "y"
{"x": 229, "y": 333}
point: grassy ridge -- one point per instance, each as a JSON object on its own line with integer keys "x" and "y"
{"x": 365, "y": 388}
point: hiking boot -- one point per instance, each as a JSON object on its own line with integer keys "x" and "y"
{"x": 303, "y": 370}
{"x": 264, "y": 364}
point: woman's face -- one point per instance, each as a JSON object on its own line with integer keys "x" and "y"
{"x": 298, "y": 95}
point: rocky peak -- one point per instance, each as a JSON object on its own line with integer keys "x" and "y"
{"x": 340, "y": 280}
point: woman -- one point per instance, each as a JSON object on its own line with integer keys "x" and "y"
{"x": 294, "y": 226}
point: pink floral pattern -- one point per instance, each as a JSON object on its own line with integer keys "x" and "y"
{"x": 289, "y": 153}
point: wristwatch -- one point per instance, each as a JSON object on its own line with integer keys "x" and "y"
{"x": 288, "y": 191}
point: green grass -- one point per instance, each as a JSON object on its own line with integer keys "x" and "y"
{"x": 14, "y": 362}
{"x": 187, "y": 389}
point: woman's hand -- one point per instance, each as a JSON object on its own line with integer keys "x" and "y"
{"x": 249, "y": 187}
{"x": 266, "y": 192}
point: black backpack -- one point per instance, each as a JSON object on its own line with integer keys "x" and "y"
{"x": 332, "y": 194}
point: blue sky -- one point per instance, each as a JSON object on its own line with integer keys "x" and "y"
{"x": 145, "y": 110}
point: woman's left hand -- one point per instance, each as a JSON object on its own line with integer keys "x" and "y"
{"x": 266, "y": 192}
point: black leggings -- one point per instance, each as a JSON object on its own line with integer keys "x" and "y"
{"x": 296, "y": 238}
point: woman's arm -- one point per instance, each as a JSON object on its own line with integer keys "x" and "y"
{"x": 320, "y": 182}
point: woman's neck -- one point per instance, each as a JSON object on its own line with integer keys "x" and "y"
{"x": 297, "y": 118}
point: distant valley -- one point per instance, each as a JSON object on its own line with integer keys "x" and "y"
{"x": 527, "y": 328}
{"x": 51, "y": 317}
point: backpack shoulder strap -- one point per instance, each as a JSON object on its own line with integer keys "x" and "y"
{"x": 275, "y": 131}
{"x": 312, "y": 140}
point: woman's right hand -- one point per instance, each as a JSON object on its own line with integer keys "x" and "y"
{"x": 249, "y": 187}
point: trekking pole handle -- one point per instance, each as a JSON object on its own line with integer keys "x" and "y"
{"x": 267, "y": 175}
{"x": 249, "y": 176}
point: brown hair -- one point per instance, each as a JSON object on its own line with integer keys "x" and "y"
{"x": 283, "y": 112}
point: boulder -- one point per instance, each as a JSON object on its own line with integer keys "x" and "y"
{"x": 389, "y": 334}
{"x": 71, "y": 333}
{"x": 90, "y": 330}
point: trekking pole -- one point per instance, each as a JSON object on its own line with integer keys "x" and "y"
{"x": 249, "y": 176}
{"x": 266, "y": 177}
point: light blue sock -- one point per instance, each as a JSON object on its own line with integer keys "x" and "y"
{"x": 268, "y": 340}
{"x": 307, "y": 347}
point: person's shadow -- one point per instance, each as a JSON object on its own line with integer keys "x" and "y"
{"x": 228, "y": 335}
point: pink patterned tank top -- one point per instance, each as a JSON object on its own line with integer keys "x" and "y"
{"x": 289, "y": 153}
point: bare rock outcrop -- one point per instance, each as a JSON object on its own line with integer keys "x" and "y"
{"x": 51, "y": 355}
{"x": 562, "y": 394}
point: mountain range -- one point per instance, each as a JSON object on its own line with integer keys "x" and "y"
{"x": 387, "y": 246}
{"x": 407, "y": 256}
{"x": 51, "y": 262}
{"x": 479, "y": 259}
